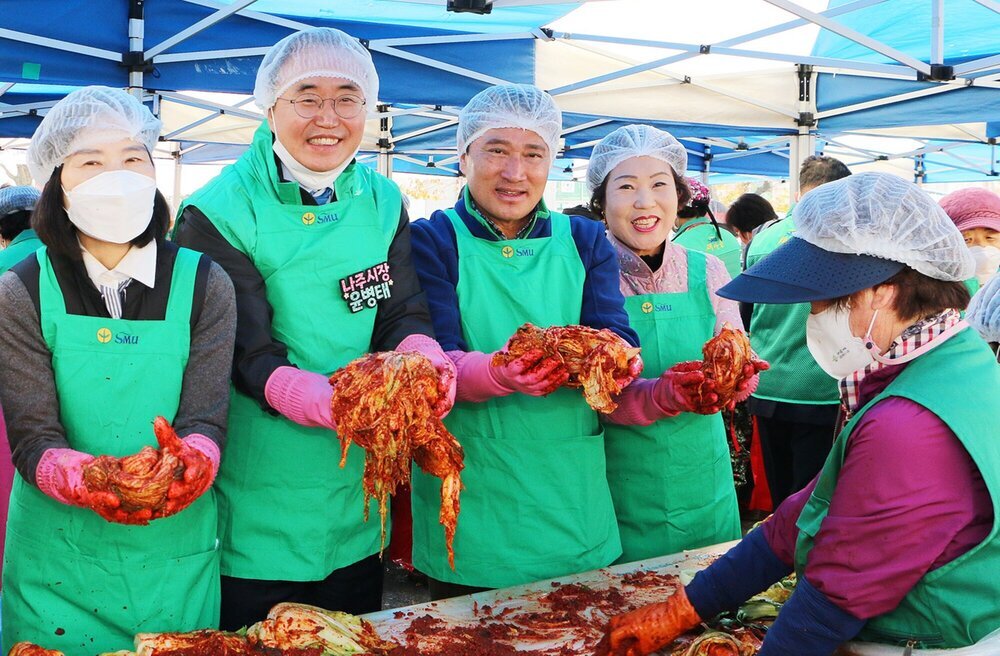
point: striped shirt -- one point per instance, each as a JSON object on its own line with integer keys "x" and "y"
{"x": 909, "y": 340}
{"x": 138, "y": 264}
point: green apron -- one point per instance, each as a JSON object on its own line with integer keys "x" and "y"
{"x": 700, "y": 235}
{"x": 19, "y": 248}
{"x": 287, "y": 512}
{"x": 778, "y": 335}
{"x": 536, "y": 503}
{"x": 73, "y": 581}
{"x": 672, "y": 481}
{"x": 954, "y": 605}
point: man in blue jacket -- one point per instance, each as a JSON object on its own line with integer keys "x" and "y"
{"x": 536, "y": 502}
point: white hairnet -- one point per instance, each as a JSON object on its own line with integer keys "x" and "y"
{"x": 510, "y": 106}
{"x": 984, "y": 310}
{"x": 88, "y": 116}
{"x": 634, "y": 141}
{"x": 885, "y": 216}
{"x": 316, "y": 52}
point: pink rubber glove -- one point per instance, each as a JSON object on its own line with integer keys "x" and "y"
{"x": 447, "y": 375}
{"x": 59, "y": 474}
{"x": 475, "y": 384}
{"x": 636, "y": 406}
{"x": 683, "y": 388}
{"x": 531, "y": 374}
{"x": 751, "y": 377}
{"x": 302, "y": 396}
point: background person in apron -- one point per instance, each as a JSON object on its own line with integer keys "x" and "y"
{"x": 795, "y": 405}
{"x": 668, "y": 458}
{"x": 103, "y": 329}
{"x": 536, "y": 502}
{"x": 318, "y": 248}
{"x": 897, "y": 540}
{"x": 17, "y": 241}
{"x": 748, "y": 215}
{"x": 698, "y": 229}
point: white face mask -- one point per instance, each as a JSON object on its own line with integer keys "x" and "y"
{"x": 115, "y": 206}
{"x": 832, "y": 344}
{"x": 312, "y": 181}
{"x": 987, "y": 261}
{"x": 839, "y": 353}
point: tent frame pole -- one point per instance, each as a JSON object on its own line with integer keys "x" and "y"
{"x": 136, "y": 35}
{"x": 804, "y": 143}
{"x": 177, "y": 178}
{"x": 384, "y": 165}
{"x": 937, "y": 32}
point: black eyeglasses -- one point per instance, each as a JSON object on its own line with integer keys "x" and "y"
{"x": 308, "y": 105}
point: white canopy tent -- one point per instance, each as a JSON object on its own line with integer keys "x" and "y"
{"x": 738, "y": 80}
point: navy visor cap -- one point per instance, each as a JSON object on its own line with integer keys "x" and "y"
{"x": 799, "y": 272}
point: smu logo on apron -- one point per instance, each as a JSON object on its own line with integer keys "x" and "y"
{"x": 649, "y": 308}
{"x": 104, "y": 336}
{"x": 509, "y": 252}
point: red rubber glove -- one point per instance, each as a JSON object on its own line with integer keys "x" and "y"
{"x": 634, "y": 369}
{"x": 447, "y": 376}
{"x": 644, "y": 630}
{"x": 200, "y": 456}
{"x": 59, "y": 474}
{"x": 532, "y": 374}
{"x": 683, "y": 388}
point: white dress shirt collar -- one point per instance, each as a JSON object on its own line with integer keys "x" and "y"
{"x": 138, "y": 264}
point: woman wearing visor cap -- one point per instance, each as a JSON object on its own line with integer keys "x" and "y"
{"x": 103, "y": 329}
{"x": 896, "y": 541}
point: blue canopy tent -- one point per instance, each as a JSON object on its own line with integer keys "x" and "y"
{"x": 856, "y": 75}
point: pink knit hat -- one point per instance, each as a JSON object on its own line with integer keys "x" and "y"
{"x": 973, "y": 207}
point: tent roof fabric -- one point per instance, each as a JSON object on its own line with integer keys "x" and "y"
{"x": 729, "y": 85}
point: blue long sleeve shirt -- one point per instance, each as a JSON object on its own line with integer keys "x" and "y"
{"x": 435, "y": 256}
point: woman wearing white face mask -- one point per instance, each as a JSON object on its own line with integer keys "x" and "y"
{"x": 976, "y": 212}
{"x": 897, "y": 540}
{"x": 103, "y": 329}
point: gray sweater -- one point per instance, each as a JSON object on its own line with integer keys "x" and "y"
{"x": 28, "y": 392}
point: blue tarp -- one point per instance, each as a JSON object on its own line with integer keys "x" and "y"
{"x": 103, "y": 24}
{"x": 970, "y": 32}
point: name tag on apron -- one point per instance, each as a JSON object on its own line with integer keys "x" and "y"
{"x": 364, "y": 289}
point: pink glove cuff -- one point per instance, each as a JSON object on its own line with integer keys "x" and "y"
{"x": 475, "y": 378}
{"x": 60, "y": 471}
{"x": 637, "y": 405}
{"x": 421, "y": 344}
{"x": 750, "y": 388}
{"x": 207, "y": 447}
{"x": 302, "y": 396}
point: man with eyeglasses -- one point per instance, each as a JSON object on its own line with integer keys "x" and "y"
{"x": 318, "y": 248}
